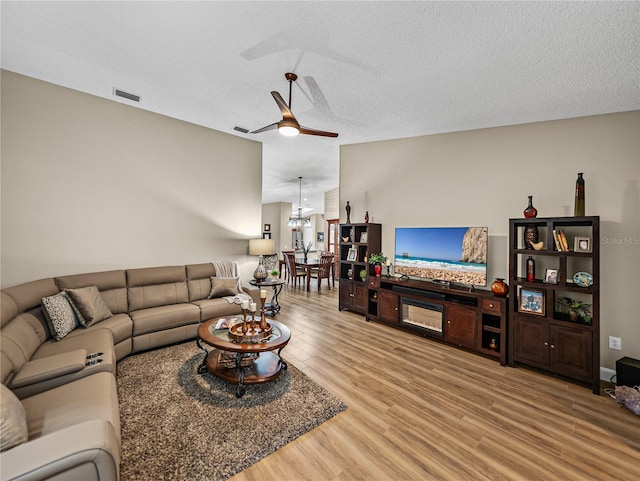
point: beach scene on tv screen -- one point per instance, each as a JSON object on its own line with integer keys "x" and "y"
{"x": 451, "y": 254}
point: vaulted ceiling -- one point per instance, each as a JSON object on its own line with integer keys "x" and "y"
{"x": 367, "y": 70}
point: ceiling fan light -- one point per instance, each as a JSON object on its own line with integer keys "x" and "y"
{"x": 288, "y": 128}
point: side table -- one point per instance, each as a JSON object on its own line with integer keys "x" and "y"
{"x": 272, "y": 307}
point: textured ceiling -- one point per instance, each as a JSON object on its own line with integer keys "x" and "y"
{"x": 368, "y": 70}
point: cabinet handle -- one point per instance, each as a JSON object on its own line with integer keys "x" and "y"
{"x": 395, "y": 308}
{"x": 546, "y": 343}
{"x": 491, "y": 305}
{"x": 350, "y": 295}
{"x": 448, "y": 322}
{"x": 553, "y": 346}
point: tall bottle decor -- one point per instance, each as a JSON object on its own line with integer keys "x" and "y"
{"x": 578, "y": 205}
{"x": 366, "y": 217}
{"x": 530, "y": 230}
{"x": 531, "y": 269}
{"x": 348, "y": 209}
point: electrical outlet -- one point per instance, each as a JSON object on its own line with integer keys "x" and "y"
{"x": 615, "y": 343}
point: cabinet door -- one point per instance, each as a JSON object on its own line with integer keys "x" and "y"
{"x": 570, "y": 351}
{"x": 359, "y": 297}
{"x": 531, "y": 341}
{"x": 346, "y": 294}
{"x": 461, "y": 325}
{"x": 388, "y": 306}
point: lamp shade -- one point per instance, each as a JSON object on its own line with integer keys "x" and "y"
{"x": 260, "y": 247}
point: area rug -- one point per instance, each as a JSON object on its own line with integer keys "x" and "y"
{"x": 180, "y": 425}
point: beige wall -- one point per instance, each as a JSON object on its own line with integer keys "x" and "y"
{"x": 483, "y": 177}
{"x": 91, "y": 184}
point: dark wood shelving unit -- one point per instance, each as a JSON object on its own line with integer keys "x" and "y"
{"x": 366, "y": 239}
{"x": 550, "y": 340}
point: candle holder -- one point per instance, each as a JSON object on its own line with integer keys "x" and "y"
{"x": 245, "y": 326}
{"x": 263, "y": 320}
{"x": 253, "y": 321}
{"x": 388, "y": 270}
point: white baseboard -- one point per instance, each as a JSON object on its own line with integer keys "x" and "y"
{"x": 606, "y": 374}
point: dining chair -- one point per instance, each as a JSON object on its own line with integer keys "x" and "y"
{"x": 293, "y": 273}
{"x": 324, "y": 269}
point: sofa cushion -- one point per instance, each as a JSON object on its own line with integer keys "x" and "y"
{"x": 86, "y": 399}
{"x": 60, "y": 316}
{"x": 111, "y": 284}
{"x": 90, "y": 304}
{"x": 199, "y": 280}
{"x": 156, "y": 286}
{"x": 13, "y": 420}
{"x": 223, "y": 286}
{"x": 19, "y": 340}
{"x": 164, "y": 317}
{"x": 210, "y": 308}
{"x": 29, "y": 295}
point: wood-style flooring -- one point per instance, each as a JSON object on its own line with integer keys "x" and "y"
{"x": 422, "y": 410}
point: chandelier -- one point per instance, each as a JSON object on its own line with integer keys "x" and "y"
{"x": 296, "y": 220}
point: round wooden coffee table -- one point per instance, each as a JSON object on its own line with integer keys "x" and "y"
{"x": 254, "y": 362}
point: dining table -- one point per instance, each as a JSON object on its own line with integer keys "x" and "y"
{"x": 308, "y": 265}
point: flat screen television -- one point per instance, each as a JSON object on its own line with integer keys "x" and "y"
{"x": 446, "y": 254}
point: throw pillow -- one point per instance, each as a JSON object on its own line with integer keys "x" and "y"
{"x": 90, "y": 304}
{"x": 223, "y": 286}
{"x": 13, "y": 420}
{"x": 59, "y": 314}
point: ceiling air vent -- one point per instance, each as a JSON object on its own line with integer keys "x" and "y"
{"x": 126, "y": 95}
{"x": 240, "y": 129}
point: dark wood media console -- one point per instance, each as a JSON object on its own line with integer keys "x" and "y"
{"x": 474, "y": 320}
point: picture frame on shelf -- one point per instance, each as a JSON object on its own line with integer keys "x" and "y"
{"x": 531, "y": 301}
{"x": 266, "y": 235}
{"x": 352, "y": 254}
{"x": 363, "y": 237}
{"x": 551, "y": 276}
{"x": 267, "y": 228}
{"x": 582, "y": 244}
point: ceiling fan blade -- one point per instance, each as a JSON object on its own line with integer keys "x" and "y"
{"x": 323, "y": 133}
{"x": 284, "y": 108}
{"x": 264, "y": 129}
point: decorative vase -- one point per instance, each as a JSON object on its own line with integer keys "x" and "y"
{"x": 530, "y": 212}
{"x": 348, "y": 209}
{"x": 578, "y": 206}
{"x": 499, "y": 287}
{"x": 305, "y": 257}
{"x": 366, "y": 217}
{"x": 531, "y": 269}
{"x": 493, "y": 344}
{"x": 378, "y": 269}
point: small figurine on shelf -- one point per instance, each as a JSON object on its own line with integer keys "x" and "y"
{"x": 366, "y": 217}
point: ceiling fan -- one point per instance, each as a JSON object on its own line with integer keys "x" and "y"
{"x": 289, "y": 126}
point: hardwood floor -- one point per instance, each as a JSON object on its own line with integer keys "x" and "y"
{"x": 421, "y": 410}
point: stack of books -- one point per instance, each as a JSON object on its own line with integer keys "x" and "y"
{"x": 561, "y": 240}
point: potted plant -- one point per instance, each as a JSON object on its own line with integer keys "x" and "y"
{"x": 363, "y": 274}
{"x": 377, "y": 260}
{"x": 275, "y": 273}
{"x": 578, "y": 311}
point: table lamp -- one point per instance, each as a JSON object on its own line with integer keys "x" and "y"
{"x": 260, "y": 247}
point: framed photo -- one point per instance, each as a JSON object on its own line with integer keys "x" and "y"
{"x": 352, "y": 255}
{"x": 551, "y": 276}
{"x": 582, "y": 244}
{"x": 266, "y": 235}
{"x": 320, "y": 237}
{"x": 531, "y": 301}
{"x": 363, "y": 237}
{"x": 267, "y": 228}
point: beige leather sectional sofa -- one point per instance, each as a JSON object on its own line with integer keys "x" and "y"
{"x": 66, "y": 389}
